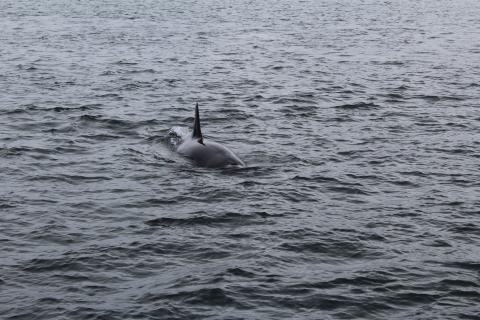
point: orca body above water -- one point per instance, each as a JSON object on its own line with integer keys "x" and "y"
{"x": 207, "y": 153}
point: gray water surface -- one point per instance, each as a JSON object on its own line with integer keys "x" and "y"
{"x": 359, "y": 122}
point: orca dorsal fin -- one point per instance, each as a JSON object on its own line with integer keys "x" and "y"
{"x": 197, "y": 132}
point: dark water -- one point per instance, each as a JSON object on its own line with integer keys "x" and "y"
{"x": 359, "y": 122}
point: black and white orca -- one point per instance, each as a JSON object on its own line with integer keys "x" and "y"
{"x": 207, "y": 153}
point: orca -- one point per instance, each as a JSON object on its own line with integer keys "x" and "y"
{"x": 207, "y": 153}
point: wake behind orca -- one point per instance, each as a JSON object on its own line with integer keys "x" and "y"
{"x": 207, "y": 153}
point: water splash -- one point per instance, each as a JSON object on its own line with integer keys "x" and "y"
{"x": 176, "y": 135}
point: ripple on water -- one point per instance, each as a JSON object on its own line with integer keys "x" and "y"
{"x": 358, "y": 201}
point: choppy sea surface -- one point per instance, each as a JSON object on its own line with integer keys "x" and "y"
{"x": 359, "y": 122}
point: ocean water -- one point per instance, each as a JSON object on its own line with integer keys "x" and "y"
{"x": 359, "y": 123}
